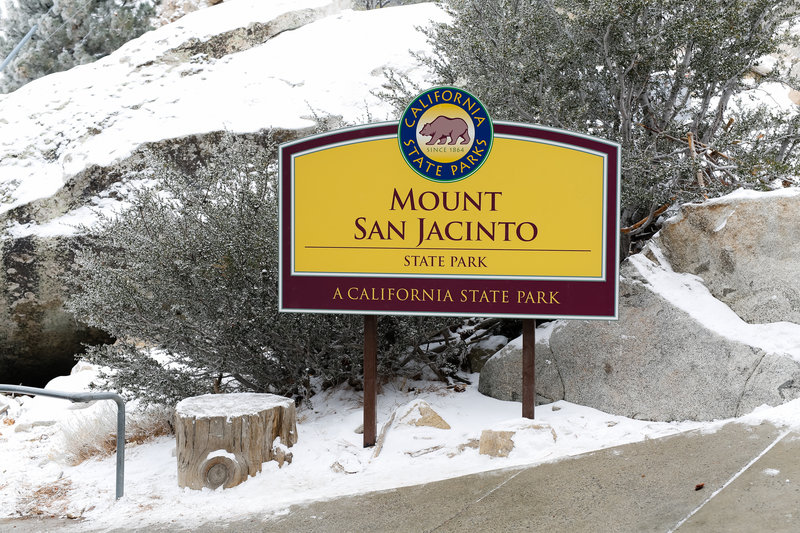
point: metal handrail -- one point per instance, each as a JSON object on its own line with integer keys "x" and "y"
{"x": 19, "y": 46}
{"x": 88, "y": 397}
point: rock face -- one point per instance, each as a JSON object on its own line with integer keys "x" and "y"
{"x": 677, "y": 352}
{"x": 746, "y": 247}
{"x": 39, "y": 339}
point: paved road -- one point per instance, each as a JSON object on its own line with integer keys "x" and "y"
{"x": 750, "y": 477}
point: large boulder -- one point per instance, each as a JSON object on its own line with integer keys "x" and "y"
{"x": 677, "y": 351}
{"x": 657, "y": 362}
{"x": 501, "y": 375}
{"x": 482, "y": 351}
{"x": 746, "y": 247}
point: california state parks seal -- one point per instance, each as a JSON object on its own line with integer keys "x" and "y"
{"x": 445, "y": 134}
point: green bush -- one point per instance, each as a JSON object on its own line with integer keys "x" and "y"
{"x": 185, "y": 278}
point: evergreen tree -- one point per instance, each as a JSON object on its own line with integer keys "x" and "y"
{"x": 70, "y": 33}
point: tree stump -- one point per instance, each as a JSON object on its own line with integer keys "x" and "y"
{"x": 224, "y": 438}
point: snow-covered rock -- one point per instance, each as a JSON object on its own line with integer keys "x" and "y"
{"x": 746, "y": 248}
{"x": 240, "y": 66}
{"x": 420, "y": 413}
{"x": 70, "y": 141}
{"x": 480, "y": 352}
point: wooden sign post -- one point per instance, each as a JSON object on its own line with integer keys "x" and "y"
{"x": 370, "y": 379}
{"x": 448, "y": 213}
{"x": 528, "y": 367}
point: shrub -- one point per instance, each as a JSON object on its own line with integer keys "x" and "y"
{"x": 185, "y": 279}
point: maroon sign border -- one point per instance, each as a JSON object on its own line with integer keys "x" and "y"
{"x": 552, "y": 298}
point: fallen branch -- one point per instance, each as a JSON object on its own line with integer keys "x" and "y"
{"x": 382, "y": 436}
{"x": 425, "y": 451}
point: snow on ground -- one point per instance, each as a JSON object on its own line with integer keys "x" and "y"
{"x": 95, "y": 114}
{"x": 329, "y": 459}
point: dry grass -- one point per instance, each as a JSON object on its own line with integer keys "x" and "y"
{"x": 94, "y": 434}
{"x": 48, "y": 501}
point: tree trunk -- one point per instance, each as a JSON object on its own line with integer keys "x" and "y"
{"x": 224, "y": 438}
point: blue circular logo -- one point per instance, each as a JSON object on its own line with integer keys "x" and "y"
{"x": 445, "y": 134}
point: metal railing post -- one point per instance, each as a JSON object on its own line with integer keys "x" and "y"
{"x": 88, "y": 397}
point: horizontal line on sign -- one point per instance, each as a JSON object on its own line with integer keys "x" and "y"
{"x": 443, "y": 249}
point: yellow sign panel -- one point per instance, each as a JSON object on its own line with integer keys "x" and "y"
{"x": 535, "y": 210}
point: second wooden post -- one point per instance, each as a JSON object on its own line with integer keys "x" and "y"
{"x": 370, "y": 379}
{"x": 528, "y": 367}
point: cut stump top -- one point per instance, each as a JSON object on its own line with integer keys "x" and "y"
{"x": 230, "y": 405}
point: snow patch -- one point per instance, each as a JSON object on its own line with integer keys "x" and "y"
{"x": 221, "y": 453}
{"x": 230, "y": 405}
{"x": 493, "y": 342}
{"x": 545, "y": 331}
{"x": 760, "y": 196}
{"x": 329, "y": 460}
{"x": 512, "y": 346}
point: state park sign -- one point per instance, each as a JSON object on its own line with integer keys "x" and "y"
{"x": 448, "y": 213}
